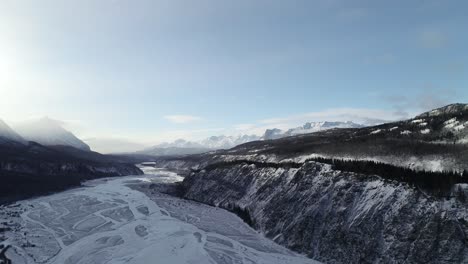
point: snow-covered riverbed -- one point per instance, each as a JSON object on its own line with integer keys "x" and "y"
{"x": 123, "y": 220}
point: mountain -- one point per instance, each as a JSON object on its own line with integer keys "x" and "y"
{"x": 452, "y": 109}
{"x": 180, "y": 143}
{"x": 227, "y": 142}
{"x": 391, "y": 193}
{"x": 49, "y": 132}
{"x": 178, "y": 147}
{"x": 184, "y": 147}
{"x": 309, "y": 127}
{"x": 171, "y": 151}
{"x": 9, "y": 135}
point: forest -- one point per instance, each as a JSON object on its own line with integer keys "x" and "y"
{"x": 436, "y": 183}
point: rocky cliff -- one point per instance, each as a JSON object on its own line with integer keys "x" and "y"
{"x": 339, "y": 217}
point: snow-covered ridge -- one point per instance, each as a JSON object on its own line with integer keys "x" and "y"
{"x": 309, "y": 127}
{"x": 446, "y": 110}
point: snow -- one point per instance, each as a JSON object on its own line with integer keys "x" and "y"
{"x": 416, "y": 121}
{"x": 459, "y": 127}
{"x": 406, "y": 132}
{"x": 376, "y": 131}
{"x": 109, "y": 221}
{"x": 393, "y": 128}
{"x": 434, "y": 112}
{"x": 451, "y": 123}
{"x": 425, "y": 131}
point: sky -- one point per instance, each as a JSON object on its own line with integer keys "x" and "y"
{"x": 147, "y": 71}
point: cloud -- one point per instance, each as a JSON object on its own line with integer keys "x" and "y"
{"x": 433, "y": 38}
{"x": 182, "y": 119}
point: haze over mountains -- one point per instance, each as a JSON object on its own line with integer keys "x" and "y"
{"x": 182, "y": 147}
{"x": 49, "y": 132}
{"x": 8, "y": 135}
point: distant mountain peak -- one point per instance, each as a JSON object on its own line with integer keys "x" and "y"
{"x": 308, "y": 127}
{"x": 9, "y": 134}
{"x": 47, "y": 131}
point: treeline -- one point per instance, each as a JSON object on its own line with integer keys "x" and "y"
{"x": 258, "y": 164}
{"x": 50, "y": 178}
{"x": 438, "y": 183}
{"x": 17, "y": 185}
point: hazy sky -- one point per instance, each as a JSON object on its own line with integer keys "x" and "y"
{"x": 163, "y": 69}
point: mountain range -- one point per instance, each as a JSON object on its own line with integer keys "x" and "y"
{"x": 50, "y": 132}
{"x": 184, "y": 147}
{"x": 308, "y": 127}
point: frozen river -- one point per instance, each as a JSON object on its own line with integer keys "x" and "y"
{"x": 127, "y": 220}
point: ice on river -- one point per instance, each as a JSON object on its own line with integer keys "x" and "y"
{"x": 112, "y": 221}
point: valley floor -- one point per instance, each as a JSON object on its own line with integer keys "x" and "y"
{"x": 125, "y": 220}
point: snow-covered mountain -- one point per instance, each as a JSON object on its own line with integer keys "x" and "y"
{"x": 183, "y": 147}
{"x": 180, "y": 143}
{"x": 227, "y": 142}
{"x": 308, "y": 127}
{"x": 49, "y": 132}
{"x": 8, "y": 134}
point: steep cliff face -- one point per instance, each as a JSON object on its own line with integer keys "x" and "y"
{"x": 339, "y": 217}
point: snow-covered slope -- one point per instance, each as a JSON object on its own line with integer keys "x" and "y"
{"x": 49, "y": 132}
{"x": 227, "y": 142}
{"x": 446, "y": 110}
{"x": 184, "y": 147}
{"x": 180, "y": 143}
{"x": 309, "y": 127}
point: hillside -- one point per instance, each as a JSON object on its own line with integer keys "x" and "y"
{"x": 391, "y": 193}
{"x": 49, "y": 132}
{"x": 33, "y": 169}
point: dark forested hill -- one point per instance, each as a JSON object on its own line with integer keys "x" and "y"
{"x": 31, "y": 169}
